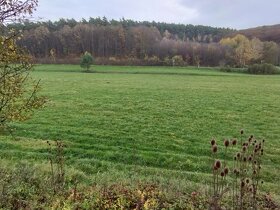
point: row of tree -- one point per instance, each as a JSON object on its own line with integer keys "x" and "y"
{"x": 124, "y": 39}
{"x": 180, "y": 31}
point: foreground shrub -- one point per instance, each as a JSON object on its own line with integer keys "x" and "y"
{"x": 22, "y": 187}
{"x": 264, "y": 68}
{"x": 26, "y": 186}
{"x": 142, "y": 196}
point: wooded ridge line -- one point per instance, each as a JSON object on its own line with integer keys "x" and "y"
{"x": 131, "y": 42}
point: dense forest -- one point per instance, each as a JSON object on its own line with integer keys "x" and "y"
{"x": 141, "y": 43}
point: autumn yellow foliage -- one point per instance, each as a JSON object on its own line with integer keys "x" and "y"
{"x": 18, "y": 92}
{"x": 242, "y": 50}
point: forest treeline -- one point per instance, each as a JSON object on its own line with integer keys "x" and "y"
{"x": 127, "y": 42}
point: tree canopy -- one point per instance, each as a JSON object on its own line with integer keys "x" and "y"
{"x": 11, "y": 10}
{"x": 18, "y": 92}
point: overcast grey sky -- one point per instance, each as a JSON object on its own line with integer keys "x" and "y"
{"x": 238, "y": 14}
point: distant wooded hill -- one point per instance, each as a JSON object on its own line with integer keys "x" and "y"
{"x": 264, "y": 33}
{"x": 128, "y": 42}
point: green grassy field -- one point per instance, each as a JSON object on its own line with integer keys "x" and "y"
{"x": 148, "y": 123}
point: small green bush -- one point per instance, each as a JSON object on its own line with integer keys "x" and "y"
{"x": 86, "y": 61}
{"x": 264, "y": 68}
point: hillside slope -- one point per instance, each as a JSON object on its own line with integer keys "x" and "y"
{"x": 264, "y": 33}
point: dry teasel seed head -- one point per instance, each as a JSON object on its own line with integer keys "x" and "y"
{"x": 241, "y": 131}
{"x": 234, "y": 142}
{"x": 214, "y": 149}
{"x": 222, "y": 174}
{"x": 244, "y": 148}
{"x": 213, "y": 142}
{"x": 242, "y": 184}
{"x": 238, "y": 155}
{"x": 226, "y": 170}
{"x": 250, "y": 158}
{"x": 247, "y": 181}
{"x": 237, "y": 172}
{"x": 226, "y": 143}
{"x": 218, "y": 164}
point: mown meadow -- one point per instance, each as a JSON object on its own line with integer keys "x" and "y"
{"x": 154, "y": 124}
